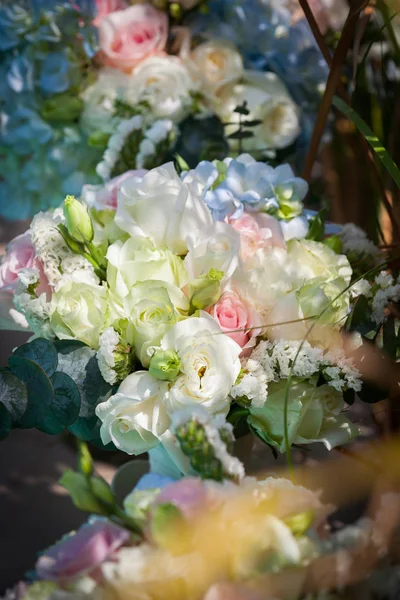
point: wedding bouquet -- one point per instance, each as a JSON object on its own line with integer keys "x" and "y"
{"x": 93, "y": 89}
{"x": 168, "y": 309}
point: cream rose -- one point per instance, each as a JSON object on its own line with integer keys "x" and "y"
{"x": 78, "y": 311}
{"x": 268, "y": 101}
{"x": 218, "y": 248}
{"x": 129, "y": 36}
{"x": 135, "y": 417}
{"x": 210, "y": 364}
{"x": 165, "y": 83}
{"x": 160, "y": 206}
{"x": 215, "y": 64}
{"x": 139, "y": 260}
{"x": 152, "y": 308}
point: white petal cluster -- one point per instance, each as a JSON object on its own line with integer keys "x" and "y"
{"x": 388, "y": 290}
{"x": 273, "y": 361}
{"x": 115, "y": 145}
{"x": 105, "y": 355}
{"x": 354, "y": 239}
{"x": 60, "y": 264}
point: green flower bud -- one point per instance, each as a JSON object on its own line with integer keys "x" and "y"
{"x": 78, "y": 221}
{"x": 194, "y": 442}
{"x": 205, "y": 290}
{"x": 165, "y": 365}
{"x": 299, "y": 524}
{"x": 123, "y": 361}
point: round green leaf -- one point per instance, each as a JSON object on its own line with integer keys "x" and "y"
{"x": 80, "y": 363}
{"x": 66, "y": 405}
{"x": 5, "y": 422}
{"x": 42, "y": 352}
{"x": 13, "y": 395}
{"x": 40, "y": 390}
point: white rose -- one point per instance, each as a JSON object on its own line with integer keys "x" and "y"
{"x": 165, "y": 84}
{"x": 135, "y": 417}
{"x": 215, "y": 64}
{"x": 78, "y": 311}
{"x": 138, "y": 260}
{"x": 99, "y": 100}
{"x": 218, "y": 248}
{"x": 313, "y": 259}
{"x": 268, "y": 101}
{"x": 152, "y": 307}
{"x": 162, "y": 207}
{"x": 210, "y": 364}
{"x": 266, "y": 277}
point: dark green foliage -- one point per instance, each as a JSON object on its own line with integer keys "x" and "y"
{"x": 52, "y": 386}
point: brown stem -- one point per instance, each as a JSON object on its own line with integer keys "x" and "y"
{"x": 335, "y": 82}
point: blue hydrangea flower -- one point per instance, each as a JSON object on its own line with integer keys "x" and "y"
{"x": 243, "y": 184}
{"x": 44, "y": 154}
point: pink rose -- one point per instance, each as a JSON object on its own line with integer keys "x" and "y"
{"x": 20, "y": 254}
{"x": 81, "y": 553}
{"x": 106, "y": 195}
{"x": 129, "y": 36}
{"x": 237, "y": 319}
{"x": 257, "y": 231}
{"x": 105, "y": 7}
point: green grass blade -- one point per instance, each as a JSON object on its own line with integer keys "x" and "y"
{"x": 371, "y": 138}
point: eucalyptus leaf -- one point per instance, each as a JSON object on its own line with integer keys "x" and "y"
{"x": 66, "y": 405}
{"x": 42, "y": 352}
{"x": 80, "y": 363}
{"x": 40, "y": 390}
{"x": 13, "y": 395}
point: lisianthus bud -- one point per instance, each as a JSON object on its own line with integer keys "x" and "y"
{"x": 165, "y": 365}
{"x": 78, "y": 221}
{"x": 205, "y": 290}
{"x": 208, "y": 443}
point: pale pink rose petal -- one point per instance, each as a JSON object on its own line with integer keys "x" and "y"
{"x": 105, "y": 7}
{"x": 238, "y": 319}
{"x": 105, "y": 196}
{"x": 129, "y": 36}
{"x": 257, "y": 231}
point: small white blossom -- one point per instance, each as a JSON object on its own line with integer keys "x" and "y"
{"x": 115, "y": 145}
{"x": 60, "y": 264}
{"x": 253, "y": 385}
{"x": 354, "y": 239}
{"x": 384, "y": 280}
{"x": 105, "y": 355}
